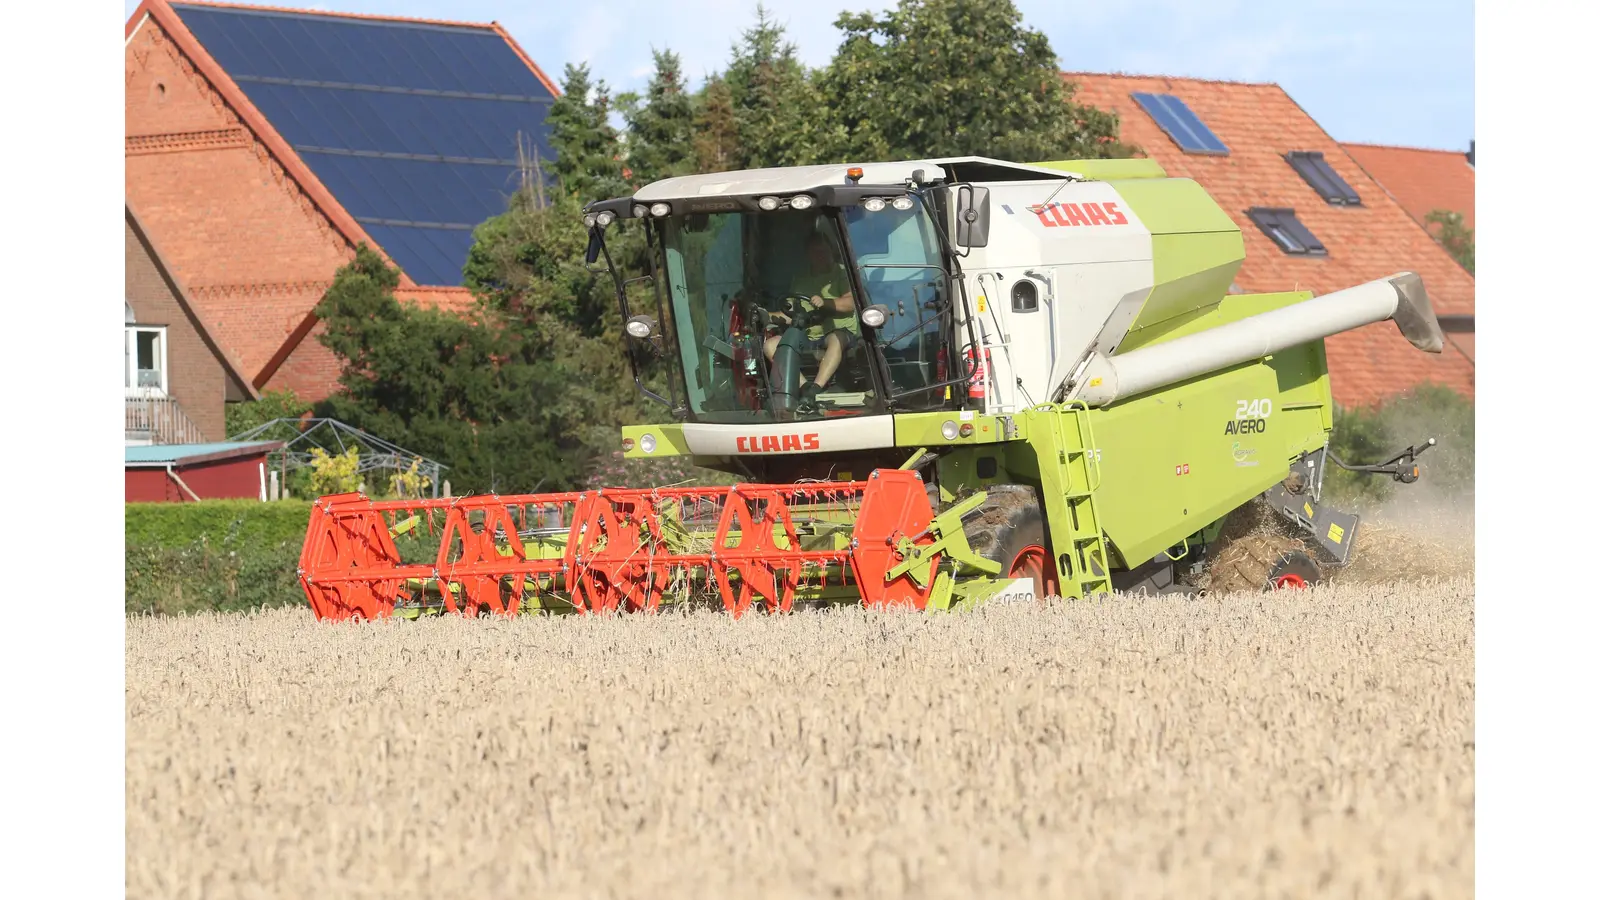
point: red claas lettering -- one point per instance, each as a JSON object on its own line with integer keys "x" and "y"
{"x": 1074, "y": 214}
{"x": 777, "y": 443}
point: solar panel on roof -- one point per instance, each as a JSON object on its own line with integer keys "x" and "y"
{"x": 1181, "y": 124}
{"x": 413, "y": 127}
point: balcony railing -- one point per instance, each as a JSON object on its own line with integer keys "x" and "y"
{"x": 160, "y": 420}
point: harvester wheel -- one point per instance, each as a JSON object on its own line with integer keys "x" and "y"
{"x": 1009, "y": 528}
{"x": 1295, "y": 569}
{"x": 1255, "y": 554}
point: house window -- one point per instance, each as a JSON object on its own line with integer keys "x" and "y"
{"x": 144, "y": 351}
{"x": 1181, "y": 124}
{"x": 1286, "y": 231}
{"x": 1323, "y": 179}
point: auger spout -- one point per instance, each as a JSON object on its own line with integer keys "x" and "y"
{"x": 1400, "y": 297}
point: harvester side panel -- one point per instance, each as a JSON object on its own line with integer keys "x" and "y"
{"x": 1171, "y": 462}
{"x": 1083, "y": 249}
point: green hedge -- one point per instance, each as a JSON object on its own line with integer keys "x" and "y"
{"x": 249, "y": 521}
{"x": 219, "y": 555}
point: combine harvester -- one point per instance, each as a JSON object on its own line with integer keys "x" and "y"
{"x": 943, "y": 381}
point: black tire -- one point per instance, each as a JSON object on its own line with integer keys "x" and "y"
{"x": 1010, "y": 521}
{"x": 1254, "y": 552}
{"x": 1294, "y": 569}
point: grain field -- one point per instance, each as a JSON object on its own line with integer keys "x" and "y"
{"x": 1314, "y": 743}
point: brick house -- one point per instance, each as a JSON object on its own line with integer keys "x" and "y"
{"x": 263, "y": 145}
{"x": 1312, "y": 218}
{"x": 176, "y": 378}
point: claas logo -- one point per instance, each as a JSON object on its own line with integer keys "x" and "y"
{"x": 777, "y": 443}
{"x": 1058, "y": 215}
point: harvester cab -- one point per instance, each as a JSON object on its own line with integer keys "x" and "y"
{"x": 942, "y": 381}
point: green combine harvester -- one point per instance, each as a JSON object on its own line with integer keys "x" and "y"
{"x": 941, "y": 382}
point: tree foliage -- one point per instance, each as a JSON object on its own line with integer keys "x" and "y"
{"x": 660, "y": 133}
{"x": 957, "y": 77}
{"x": 716, "y": 127}
{"x": 588, "y": 149}
{"x": 1374, "y": 433}
{"x": 1456, "y": 237}
{"x": 511, "y": 397}
{"x": 778, "y": 114}
{"x": 284, "y": 404}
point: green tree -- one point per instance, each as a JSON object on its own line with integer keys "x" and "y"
{"x": 778, "y": 113}
{"x": 716, "y": 127}
{"x": 509, "y": 401}
{"x": 660, "y": 134}
{"x": 284, "y": 404}
{"x": 588, "y": 149}
{"x": 1456, "y": 237}
{"x": 527, "y": 263}
{"x": 527, "y": 267}
{"x": 956, "y": 77}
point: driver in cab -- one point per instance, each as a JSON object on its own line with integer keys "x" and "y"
{"x": 833, "y": 329}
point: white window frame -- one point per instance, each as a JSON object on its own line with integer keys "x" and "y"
{"x": 130, "y": 360}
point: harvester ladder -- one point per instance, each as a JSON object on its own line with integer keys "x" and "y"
{"x": 1081, "y": 559}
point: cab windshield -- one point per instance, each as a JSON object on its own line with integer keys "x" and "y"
{"x": 746, "y": 288}
{"x": 897, "y": 254}
{"x": 767, "y": 322}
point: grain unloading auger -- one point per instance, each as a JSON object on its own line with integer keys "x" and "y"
{"x": 940, "y": 380}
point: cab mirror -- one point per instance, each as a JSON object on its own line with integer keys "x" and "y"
{"x": 593, "y": 252}
{"x": 972, "y": 216}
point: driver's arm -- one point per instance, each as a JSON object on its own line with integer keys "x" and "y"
{"x": 842, "y": 305}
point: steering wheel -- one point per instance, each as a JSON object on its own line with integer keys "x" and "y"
{"x": 798, "y": 308}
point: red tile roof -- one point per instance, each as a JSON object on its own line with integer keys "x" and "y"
{"x": 1421, "y": 180}
{"x": 1260, "y": 123}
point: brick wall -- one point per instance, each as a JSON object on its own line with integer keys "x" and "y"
{"x": 195, "y": 377}
{"x": 311, "y": 371}
{"x": 253, "y": 250}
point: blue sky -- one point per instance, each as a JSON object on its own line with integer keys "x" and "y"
{"x": 1394, "y": 72}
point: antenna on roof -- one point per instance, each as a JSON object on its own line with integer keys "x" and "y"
{"x": 529, "y": 171}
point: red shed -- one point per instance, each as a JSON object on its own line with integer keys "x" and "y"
{"x": 185, "y": 472}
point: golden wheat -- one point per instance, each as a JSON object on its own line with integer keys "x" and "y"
{"x": 1241, "y": 745}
